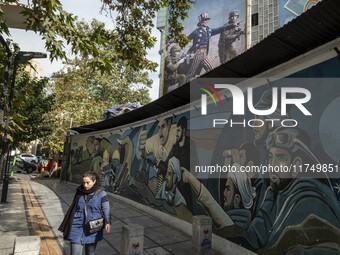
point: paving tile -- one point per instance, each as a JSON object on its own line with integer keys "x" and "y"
{"x": 61, "y": 205}
{"x": 144, "y": 221}
{"x": 181, "y": 248}
{"x": 116, "y": 205}
{"x": 55, "y": 221}
{"x": 13, "y": 210}
{"x": 115, "y": 240}
{"x": 124, "y": 213}
{"x": 51, "y": 212}
{"x": 156, "y": 251}
{"x": 164, "y": 235}
{"x": 6, "y": 251}
{"x": 68, "y": 200}
{"x": 13, "y": 225}
{"x": 6, "y": 241}
{"x": 116, "y": 225}
{"x": 11, "y": 204}
{"x": 47, "y": 204}
{"x": 57, "y": 233}
{"x": 22, "y": 232}
{"x": 103, "y": 247}
{"x": 148, "y": 243}
{"x": 13, "y": 216}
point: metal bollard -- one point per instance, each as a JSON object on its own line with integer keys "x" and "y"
{"x": 202, "y": 234}
{"x": 44, "y": 164}
{"x": 13, "y": 165}
{"x": 42, "y": 173}
{"x": 132, "y": 240}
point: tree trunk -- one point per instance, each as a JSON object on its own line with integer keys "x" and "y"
{"x": 4, "y": 164}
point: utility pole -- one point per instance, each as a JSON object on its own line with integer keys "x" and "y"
{"x": 4, "y": 88}
{"x": 25, "y": 56}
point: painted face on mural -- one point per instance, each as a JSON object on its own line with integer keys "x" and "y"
{"x": 261, "y": 133}
{"x": 170, "y": 179}
{"x": 233, "y": 18}
{"x": 279, "y": 157}
{"x": 229, "y": 193}
{"x": 164, "y": 129}
{"x": 243, "y": 157}
{"x": 177, "y": 53}
{"x": 179, "y": 133}
{"x": 204, "y": 23}
{"x": 95, "y": 146}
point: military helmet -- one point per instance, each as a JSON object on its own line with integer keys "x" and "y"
{"x": 234, "y": 13}
{"x": 174, "y": 49}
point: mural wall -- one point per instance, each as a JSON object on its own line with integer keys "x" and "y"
{"x": 155, "y": 164}
{"x": 214, "y": 40}
{"x": 290, "y": 9}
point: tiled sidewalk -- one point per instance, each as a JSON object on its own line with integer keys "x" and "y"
{"x": 54, "y": 199}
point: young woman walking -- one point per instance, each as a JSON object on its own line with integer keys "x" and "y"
{"x": 90, "y": 203}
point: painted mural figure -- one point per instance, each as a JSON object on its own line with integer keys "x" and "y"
{"x": 261, "y": 132}
{"x": 238, "y": 199}
{"x": 159, "y": 145}
{"x": 200, "y": 44}
{"x": 259, "y": 181}
{"x": 226, "y": 49}
{"x": 169, "y": 191}
{"x": 172, "y": 73}
{"x": 111, "y": 170}
{"x": 248, "y": 155}
{"x": 164, "y": 190}
{"x": 101, "y": 153}
{"x": 185, "y": 151}
{"x": 121, "y": 161}
{"x": 238, "y": 193}
{"x": 93, "y": 148}
{"x": 293, "y": 201}
{"x": 78, "y": 154}
{"x": 92, "y": 145}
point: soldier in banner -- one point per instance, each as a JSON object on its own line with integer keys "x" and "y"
{"x": 172, "y": 64}
{"x": 200, "y": 44}
{"x": 226, "y": 50}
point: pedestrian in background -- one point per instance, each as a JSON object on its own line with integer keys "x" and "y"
{"x": 74, "y": 225}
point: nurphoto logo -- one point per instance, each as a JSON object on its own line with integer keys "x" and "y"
{"x": 239, "y": 104}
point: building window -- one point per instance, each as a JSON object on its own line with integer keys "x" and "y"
{"x": 254, "y": 19}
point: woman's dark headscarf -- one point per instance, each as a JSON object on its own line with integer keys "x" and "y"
{"x": 66, "y": 225}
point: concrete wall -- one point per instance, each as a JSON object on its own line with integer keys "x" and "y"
{"x": 257, "y": 212}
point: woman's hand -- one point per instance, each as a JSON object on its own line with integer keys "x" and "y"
{"x": 108, "y": 228}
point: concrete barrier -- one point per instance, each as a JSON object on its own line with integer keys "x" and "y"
{"x": 6, "y": 243}
{"x": 27, "y": 245}
{"x": 132, "y": 240}
{"x": 202, "y": 234}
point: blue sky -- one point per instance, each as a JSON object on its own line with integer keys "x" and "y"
{"x": 87, "y": 10}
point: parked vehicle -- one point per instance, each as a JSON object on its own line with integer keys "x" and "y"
{"x": 29, "y": 158}
{"x": 49, "y": 164}
{"x": 24, "y": 165}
